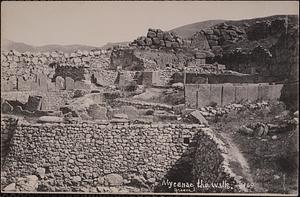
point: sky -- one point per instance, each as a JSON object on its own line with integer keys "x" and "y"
{"x": 95, "y": 23}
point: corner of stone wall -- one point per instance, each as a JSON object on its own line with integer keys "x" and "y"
{"x": 225, "y": 163}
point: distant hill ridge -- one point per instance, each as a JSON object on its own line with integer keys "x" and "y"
{"x": 7, "y": 45}
{"x": 187, "y": 31}
{"x": 22, "y": 47}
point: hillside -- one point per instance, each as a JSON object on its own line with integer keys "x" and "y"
{"x": 22, "y": 47}
{"x": 187, "y": 31}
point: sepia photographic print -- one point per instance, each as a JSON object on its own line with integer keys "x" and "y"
{"x": 157, "y": 97}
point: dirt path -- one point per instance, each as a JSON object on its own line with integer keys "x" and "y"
{"x": 239, "y": 164}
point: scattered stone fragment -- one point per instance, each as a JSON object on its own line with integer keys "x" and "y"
{"x": 178, "y": 85}
{"x": 261, "y": 129}
{"x": 113, "y": 180}
{"x": 274, "y": 137}
{"x": 34, "y": 103}
{"x": 28, "y": 183}
{"x": 276, "y": 177}
{"x": 296, "y": 114}
{"x": 6, "y": 107}
{"x": 10, "y": 188}
{"x": 245, "y": 130}
{"x": 41, "y": 172}
{"x": 97, "y": 112}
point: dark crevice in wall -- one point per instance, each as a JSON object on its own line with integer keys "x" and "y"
{"x": 7, "y": 133}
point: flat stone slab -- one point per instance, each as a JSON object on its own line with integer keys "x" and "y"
{"x": 198, "y": 116}
{"x": 115, "y": 120}
{"x": 50, "y": 119}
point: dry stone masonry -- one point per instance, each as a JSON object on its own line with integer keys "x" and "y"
{"x": 20, "y": 68}
{"x": 79, "y": 154}
{"x": 156, "y": 38}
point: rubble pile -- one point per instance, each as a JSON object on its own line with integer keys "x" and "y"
{"x": 211, "y": 111}
{"x": 279, "y": 125}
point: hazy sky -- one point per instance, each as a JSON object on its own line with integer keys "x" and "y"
{"x": 96, "y": 23}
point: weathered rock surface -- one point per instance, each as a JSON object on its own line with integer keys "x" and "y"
{"x": 113, "y": 180}
{"x": 28, "y": 183}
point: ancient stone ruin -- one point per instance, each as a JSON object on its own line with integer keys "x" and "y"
{"x": 138, "y": 118}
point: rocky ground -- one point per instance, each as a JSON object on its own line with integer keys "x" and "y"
{"x": 269, "y": 145}
{"x": 261, "y": 136}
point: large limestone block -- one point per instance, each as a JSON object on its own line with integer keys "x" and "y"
{"x": 59, "y": 83}
{"x": 34, "y": 103}
{"x": 215, "y": 93}
{"x": 70, "y": 84}
{"x": 28, "y": 183}
{"x": 252, "y": 92}
{"x": 240, "y": 93}
{"x": 263, "y": 92}
{"x": 228, "y": 94}
{"x": 23, "y": 85}
{"x": 203, "y": 95}
{"x": 42, "y": 81}
{"x": 275, "y": 91}
{"x": 190, "y": 92}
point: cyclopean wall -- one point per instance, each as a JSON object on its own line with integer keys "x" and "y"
{"x": 78, "y": 154}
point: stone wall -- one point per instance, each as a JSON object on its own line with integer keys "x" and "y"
{"x": 15, "y": 65}
{"x": 8, "y": 126}
{"x": 90, "y": 150}
{"x": 156, "y": 38}
{"x": 136, "y": 59}
{"x": 207, "y": 178}
{"x": 200, "y": 95}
